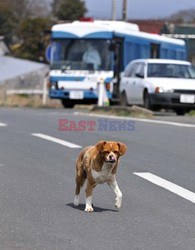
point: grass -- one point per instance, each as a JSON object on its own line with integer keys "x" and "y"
{"x": 23, "y": 100}
{"x": 127, "y": 111}
{"x": 191, "y": 113}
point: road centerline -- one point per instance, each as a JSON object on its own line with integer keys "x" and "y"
{"x": 56, "y": 140}
{"x": 174, "y": 188}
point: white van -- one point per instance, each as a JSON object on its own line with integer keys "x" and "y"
{"x": 159, "y": 83}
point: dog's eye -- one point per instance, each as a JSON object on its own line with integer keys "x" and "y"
{"x": 106, "y": 152}
{"x": 115, "y": 152}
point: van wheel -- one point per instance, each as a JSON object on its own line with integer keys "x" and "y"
{"x": 180, "y": 111}
{"x": 67, "y": 103}
{"x": 147, "y": 103}
{"x": 123, "y": 99}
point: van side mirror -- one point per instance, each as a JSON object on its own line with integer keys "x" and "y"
{"x": 139, "y": 75}
{"x": 122, "y": 74}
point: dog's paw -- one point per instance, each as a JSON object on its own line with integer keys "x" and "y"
{"x": 89, "y": 209}
{"x": 118, "y": 203}
{"x": 76, "y": 201}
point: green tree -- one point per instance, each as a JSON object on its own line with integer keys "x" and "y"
{"x": 31, "y": 33}
{"x": 69, "y": 9}
{"x": 7, "y": 22}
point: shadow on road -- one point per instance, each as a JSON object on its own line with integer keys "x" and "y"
{"x": 165, "y": 113}
{"x": 81, "y": 207}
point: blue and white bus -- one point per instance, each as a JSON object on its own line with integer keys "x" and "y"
{"x": 74, "y": 79}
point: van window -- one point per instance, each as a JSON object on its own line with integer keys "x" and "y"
{"x": 140, "y": 70}
{"x": 170, "y": 70}
{"x": 127, "y": 70}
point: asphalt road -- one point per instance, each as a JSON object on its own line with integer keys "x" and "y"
{"x": 37, "y": 186}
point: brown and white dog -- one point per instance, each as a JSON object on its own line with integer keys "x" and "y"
{"x": 98, "y": 164}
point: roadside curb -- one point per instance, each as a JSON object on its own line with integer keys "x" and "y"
{"x": 176, "y": 124}
{"x": 123, "y": 110}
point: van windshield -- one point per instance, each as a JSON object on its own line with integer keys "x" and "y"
{"x": 170, "y": 70}
{"x": 81, "y": 54}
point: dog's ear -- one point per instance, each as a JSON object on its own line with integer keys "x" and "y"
{"x": 100, "y": 145}
{"x": 122, "y": 148}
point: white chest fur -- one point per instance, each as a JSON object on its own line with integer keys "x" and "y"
{"x": 104, "y": 175}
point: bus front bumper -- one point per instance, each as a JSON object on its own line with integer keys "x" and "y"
{"x": 85, "y": 95}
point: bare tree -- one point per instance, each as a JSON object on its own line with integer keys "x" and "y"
{"x": 25, "y": 8}
{"x": 38, "y": 8}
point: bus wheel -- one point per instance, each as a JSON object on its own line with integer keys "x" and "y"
{"x": 123, "y": 99}
{"x": 67, "y": 103}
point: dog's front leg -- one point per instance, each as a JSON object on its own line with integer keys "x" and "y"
{"x": 114, "y": 186}
{"x": 89, "y": 191}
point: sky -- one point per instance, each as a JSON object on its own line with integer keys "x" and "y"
{"x": 138, "y": 9}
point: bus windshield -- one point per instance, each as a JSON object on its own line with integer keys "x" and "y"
{"x": 170, "y": 70}
{"x": 81, "y": 54}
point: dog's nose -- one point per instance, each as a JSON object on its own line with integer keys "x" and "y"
{"x": 112, "y": 158}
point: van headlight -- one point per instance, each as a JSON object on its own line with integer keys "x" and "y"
{"x": 162, "y": 90}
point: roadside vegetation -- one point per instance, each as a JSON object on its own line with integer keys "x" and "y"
{"x": 31, "y": 101}
{"x": 133, "y": 111}
{"x": 191, "y": 113}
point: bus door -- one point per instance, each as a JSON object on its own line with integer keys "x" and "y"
{"x": 154, "y": 50}
{"x": 118, "y": 65}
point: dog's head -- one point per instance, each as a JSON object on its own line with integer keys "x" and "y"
{"x": 111, "y": 151}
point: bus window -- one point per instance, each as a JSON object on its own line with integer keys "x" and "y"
{"x": 81, "y": 54}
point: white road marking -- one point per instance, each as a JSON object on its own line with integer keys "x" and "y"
{"x": 3, "y": 124}
{"x": 56, "y": 140}
{"x": 186, "y": 194}
{"x": 177, "y": 124}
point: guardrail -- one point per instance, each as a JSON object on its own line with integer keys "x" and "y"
{"x": 43, "y": 91}
{"x": 24, "y": 91}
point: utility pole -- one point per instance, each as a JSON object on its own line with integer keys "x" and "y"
{"x": 124, "y": 10}
{"x": 113, "y": 10}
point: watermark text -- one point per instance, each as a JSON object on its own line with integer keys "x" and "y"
{"x": 100, "y": 125}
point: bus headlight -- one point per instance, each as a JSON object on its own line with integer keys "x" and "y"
{"x": 108, "y": 86}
